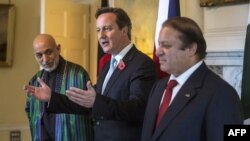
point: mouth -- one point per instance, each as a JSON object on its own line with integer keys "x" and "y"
{"x": 48, "y": 65}
{"x": 161, "y": 61}
{"x": 104, "y": 43}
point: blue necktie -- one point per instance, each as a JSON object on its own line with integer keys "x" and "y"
{"x": 111, "y": 70}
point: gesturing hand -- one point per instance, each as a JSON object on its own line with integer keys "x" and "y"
{"x": 84, "y": 98}
{"x": 42, "y": 93}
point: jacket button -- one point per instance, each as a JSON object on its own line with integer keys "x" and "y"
{"x": 98, "y": 123}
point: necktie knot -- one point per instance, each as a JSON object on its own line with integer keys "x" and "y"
{"x": 113, "y": 63}
{"x": 171, "y": 85}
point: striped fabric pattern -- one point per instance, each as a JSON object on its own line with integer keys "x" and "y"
{"x": 69, "y": 127}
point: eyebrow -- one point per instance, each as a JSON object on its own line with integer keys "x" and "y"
{"x": 104, "y": 26}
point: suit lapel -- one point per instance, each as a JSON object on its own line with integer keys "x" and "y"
{"x": 154, "y": 103}
{"x": 101, "y": 78}
{"x": 112, "y": 80}
{"x": 185, "y": 94}
{"x": 117, "y": 72}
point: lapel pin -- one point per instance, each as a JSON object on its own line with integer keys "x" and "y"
{"x": 187, "y": 95}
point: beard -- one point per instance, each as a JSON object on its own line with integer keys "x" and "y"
{"x": 53, "y": 67}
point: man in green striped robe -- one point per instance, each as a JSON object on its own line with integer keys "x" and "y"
{"x": 59, "y": 75}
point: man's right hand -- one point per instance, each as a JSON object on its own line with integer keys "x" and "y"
{"x": 42, "y": 93}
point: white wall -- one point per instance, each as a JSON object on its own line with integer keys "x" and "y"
{"x": 224, "y": 27}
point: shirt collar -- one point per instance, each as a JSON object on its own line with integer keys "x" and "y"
{"x": 181, "y": 79}
{"x": 122, "y": 53}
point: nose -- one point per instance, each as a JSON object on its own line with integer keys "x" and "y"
{"x": 101, "y": 34}
{"x": 158, "y": 51}
{"x": 45, "y": 58}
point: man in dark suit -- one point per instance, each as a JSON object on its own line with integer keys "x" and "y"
{"x": 201, "y": 103}
{"x": 118, "y": 103}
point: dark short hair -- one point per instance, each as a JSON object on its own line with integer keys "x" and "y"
{"x": 190, "y": 33}
{"x": 122, "y": 18}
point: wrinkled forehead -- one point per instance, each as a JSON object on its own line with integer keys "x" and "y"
{"x": 42, "y": 46}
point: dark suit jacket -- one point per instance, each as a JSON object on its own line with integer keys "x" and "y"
{"x": 200, "y": 109}
{"x": 118, "y": 114}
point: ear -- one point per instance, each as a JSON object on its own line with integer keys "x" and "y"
{"x": 125, "y": 30}
{"x": 192, "y": 49}
{"x": 58, "y": 47}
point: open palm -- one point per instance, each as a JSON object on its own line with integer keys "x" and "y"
{"x": 42, "y": 93}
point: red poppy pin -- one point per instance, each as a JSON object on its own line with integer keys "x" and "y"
{"x": 121, "y": 65}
